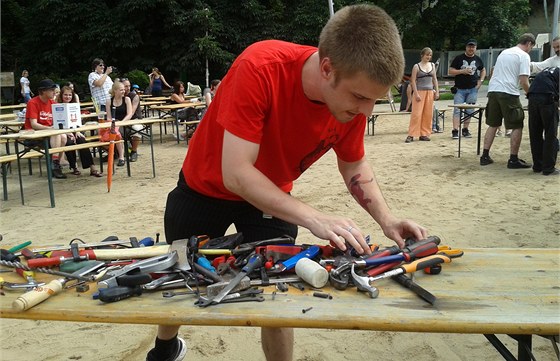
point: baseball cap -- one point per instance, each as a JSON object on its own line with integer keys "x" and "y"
{"x": 46, "y": 84}
{"x": 135, "y": 86}
{"x": 471, "y": 42}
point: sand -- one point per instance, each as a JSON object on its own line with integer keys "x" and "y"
{"x": 466, "y": 205}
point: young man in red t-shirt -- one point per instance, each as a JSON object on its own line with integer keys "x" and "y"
{"x": 38, "y": 115}
{"x": 281, "y": 107}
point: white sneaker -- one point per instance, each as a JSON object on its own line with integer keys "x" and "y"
{"x": 181, "y": 351}
{"x": 179, "y": 354}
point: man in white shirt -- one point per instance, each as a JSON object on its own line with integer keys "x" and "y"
{"x": 511, "y": 69}
{"x": 100, "y": 83}
{"x": 553, "y": 61}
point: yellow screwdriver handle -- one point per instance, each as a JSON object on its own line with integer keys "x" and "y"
{"x": 425, "y": 262}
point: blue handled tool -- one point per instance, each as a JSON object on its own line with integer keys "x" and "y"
{"x": 290, "y": 263}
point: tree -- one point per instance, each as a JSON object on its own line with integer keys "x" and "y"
{"x": 177, "y": 36}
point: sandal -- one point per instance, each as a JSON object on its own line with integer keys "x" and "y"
{"x": 75, "y": 171}
{"x": 96, "y": 173}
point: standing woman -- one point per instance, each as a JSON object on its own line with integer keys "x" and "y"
{"x": 26, "y": 92}
{"x": 425, "y": 89}
{"x": 119, "y": 107}
{"x": 67, "y": 95}
{"x": 157, "y": 80}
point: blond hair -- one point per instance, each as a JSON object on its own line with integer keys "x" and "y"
{"x": 425, "y": 51}
{"x": 115, "y": 87}
{"x": 363, "y": 38}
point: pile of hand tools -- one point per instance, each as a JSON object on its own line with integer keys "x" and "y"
{"x": 216, "y": 271}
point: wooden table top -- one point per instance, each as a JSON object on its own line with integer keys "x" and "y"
{"x": 158, "y": 99}
{"x": 177, "y": 106}
{"x": 7, "y": 117}
{"x": 467, "y": 106}
{"x": 16, "y": 106}
{"x": 500, "y": 291}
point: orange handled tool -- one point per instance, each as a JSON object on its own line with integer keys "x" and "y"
{"x": 414, "y": 266}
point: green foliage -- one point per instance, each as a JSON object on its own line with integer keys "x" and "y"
{"x": 139, "y": 78}
{"x": 179, "y": 36}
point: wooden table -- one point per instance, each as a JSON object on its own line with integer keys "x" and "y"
{"x": 155, "y": 99}
{"x": 478, "y": 111}
{"x": 44, "y": 135}
{"x": 12, "y": 107}
{"x": 147, "y": 103}
{"x": 490, "y": 291}
{"x": 10, "y": 126}
{"x": 7, "y": 116}
{"x": 173, "y": 110}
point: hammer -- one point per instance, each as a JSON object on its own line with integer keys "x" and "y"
{"x": 362, "y": 283}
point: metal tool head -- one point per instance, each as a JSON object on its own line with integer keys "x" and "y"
{"x": 181, "y": 247}
{"x": 362, "y": 283}
{"x": 214, "y": 289}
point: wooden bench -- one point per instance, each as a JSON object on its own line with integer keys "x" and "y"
{"x": 373, "y": 118}
{"x": 189, "y": 126}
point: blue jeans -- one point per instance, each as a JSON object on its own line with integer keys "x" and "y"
{"x": 465, "y": 96}
{"x": 26, "y": 97}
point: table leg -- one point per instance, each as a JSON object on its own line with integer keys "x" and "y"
{"x": 177, "y": 126}
{"x": 480, "y": 112}
{"x": 126, "y": 155}
{"x": 49, "y": 170}
{"x": 150, "y": 135}
{"x": 19, "y": 171}
{"x": 462, "y": 119}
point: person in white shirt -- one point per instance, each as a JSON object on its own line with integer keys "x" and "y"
{"x": 100, "y": 83}
{"x": 553, "y": 61}
{"x": 26, "y": 92}
{"x": 511, "y": 69}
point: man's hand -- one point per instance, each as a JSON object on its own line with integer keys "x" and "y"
{"x": 340, "y": 231}
{"x": 401, "y": 229}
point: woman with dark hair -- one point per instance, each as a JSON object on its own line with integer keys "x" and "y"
{"x": 67, "y": 95}
{"x": 157, "y": 80}
{"x": 178, "y": 95}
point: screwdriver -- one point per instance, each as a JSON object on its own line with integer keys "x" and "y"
{"x": 409, "y": 254}
{"x": 414, "y": 266}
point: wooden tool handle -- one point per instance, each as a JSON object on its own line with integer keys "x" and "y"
{"x": 139, "y": 252}
{"x": 37, "y": 295}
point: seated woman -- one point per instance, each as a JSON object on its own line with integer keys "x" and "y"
{"x": 119, "y": 107}
{"x": 178, "y": 97}
{"x": 67, "y": 95}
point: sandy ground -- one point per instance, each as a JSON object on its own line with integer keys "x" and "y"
{"x": 463, "y": 203}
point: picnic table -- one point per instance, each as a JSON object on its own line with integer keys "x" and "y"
{"x": 44, "y": 135}
{"x": 173, "y": 111}
{"x": 478, "y": 111}
{"x": 12, "y": 107}
{"x": 488, "y": 291}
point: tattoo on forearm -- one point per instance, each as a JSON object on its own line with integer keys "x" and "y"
{"x": 357, "y": 191}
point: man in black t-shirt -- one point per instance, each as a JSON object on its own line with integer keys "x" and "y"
{"x": 543, "y": 118}
{"x": 469, "y": 72}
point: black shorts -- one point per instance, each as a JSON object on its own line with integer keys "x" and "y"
{"x": 189, "y": 213}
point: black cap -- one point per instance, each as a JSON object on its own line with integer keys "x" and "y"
{"x": 471, "y": 42}
{"x": 46, "y": 84}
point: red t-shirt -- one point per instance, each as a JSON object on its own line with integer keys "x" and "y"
{"x": 37, "y": 109}
{"x": 261, "y": 100}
